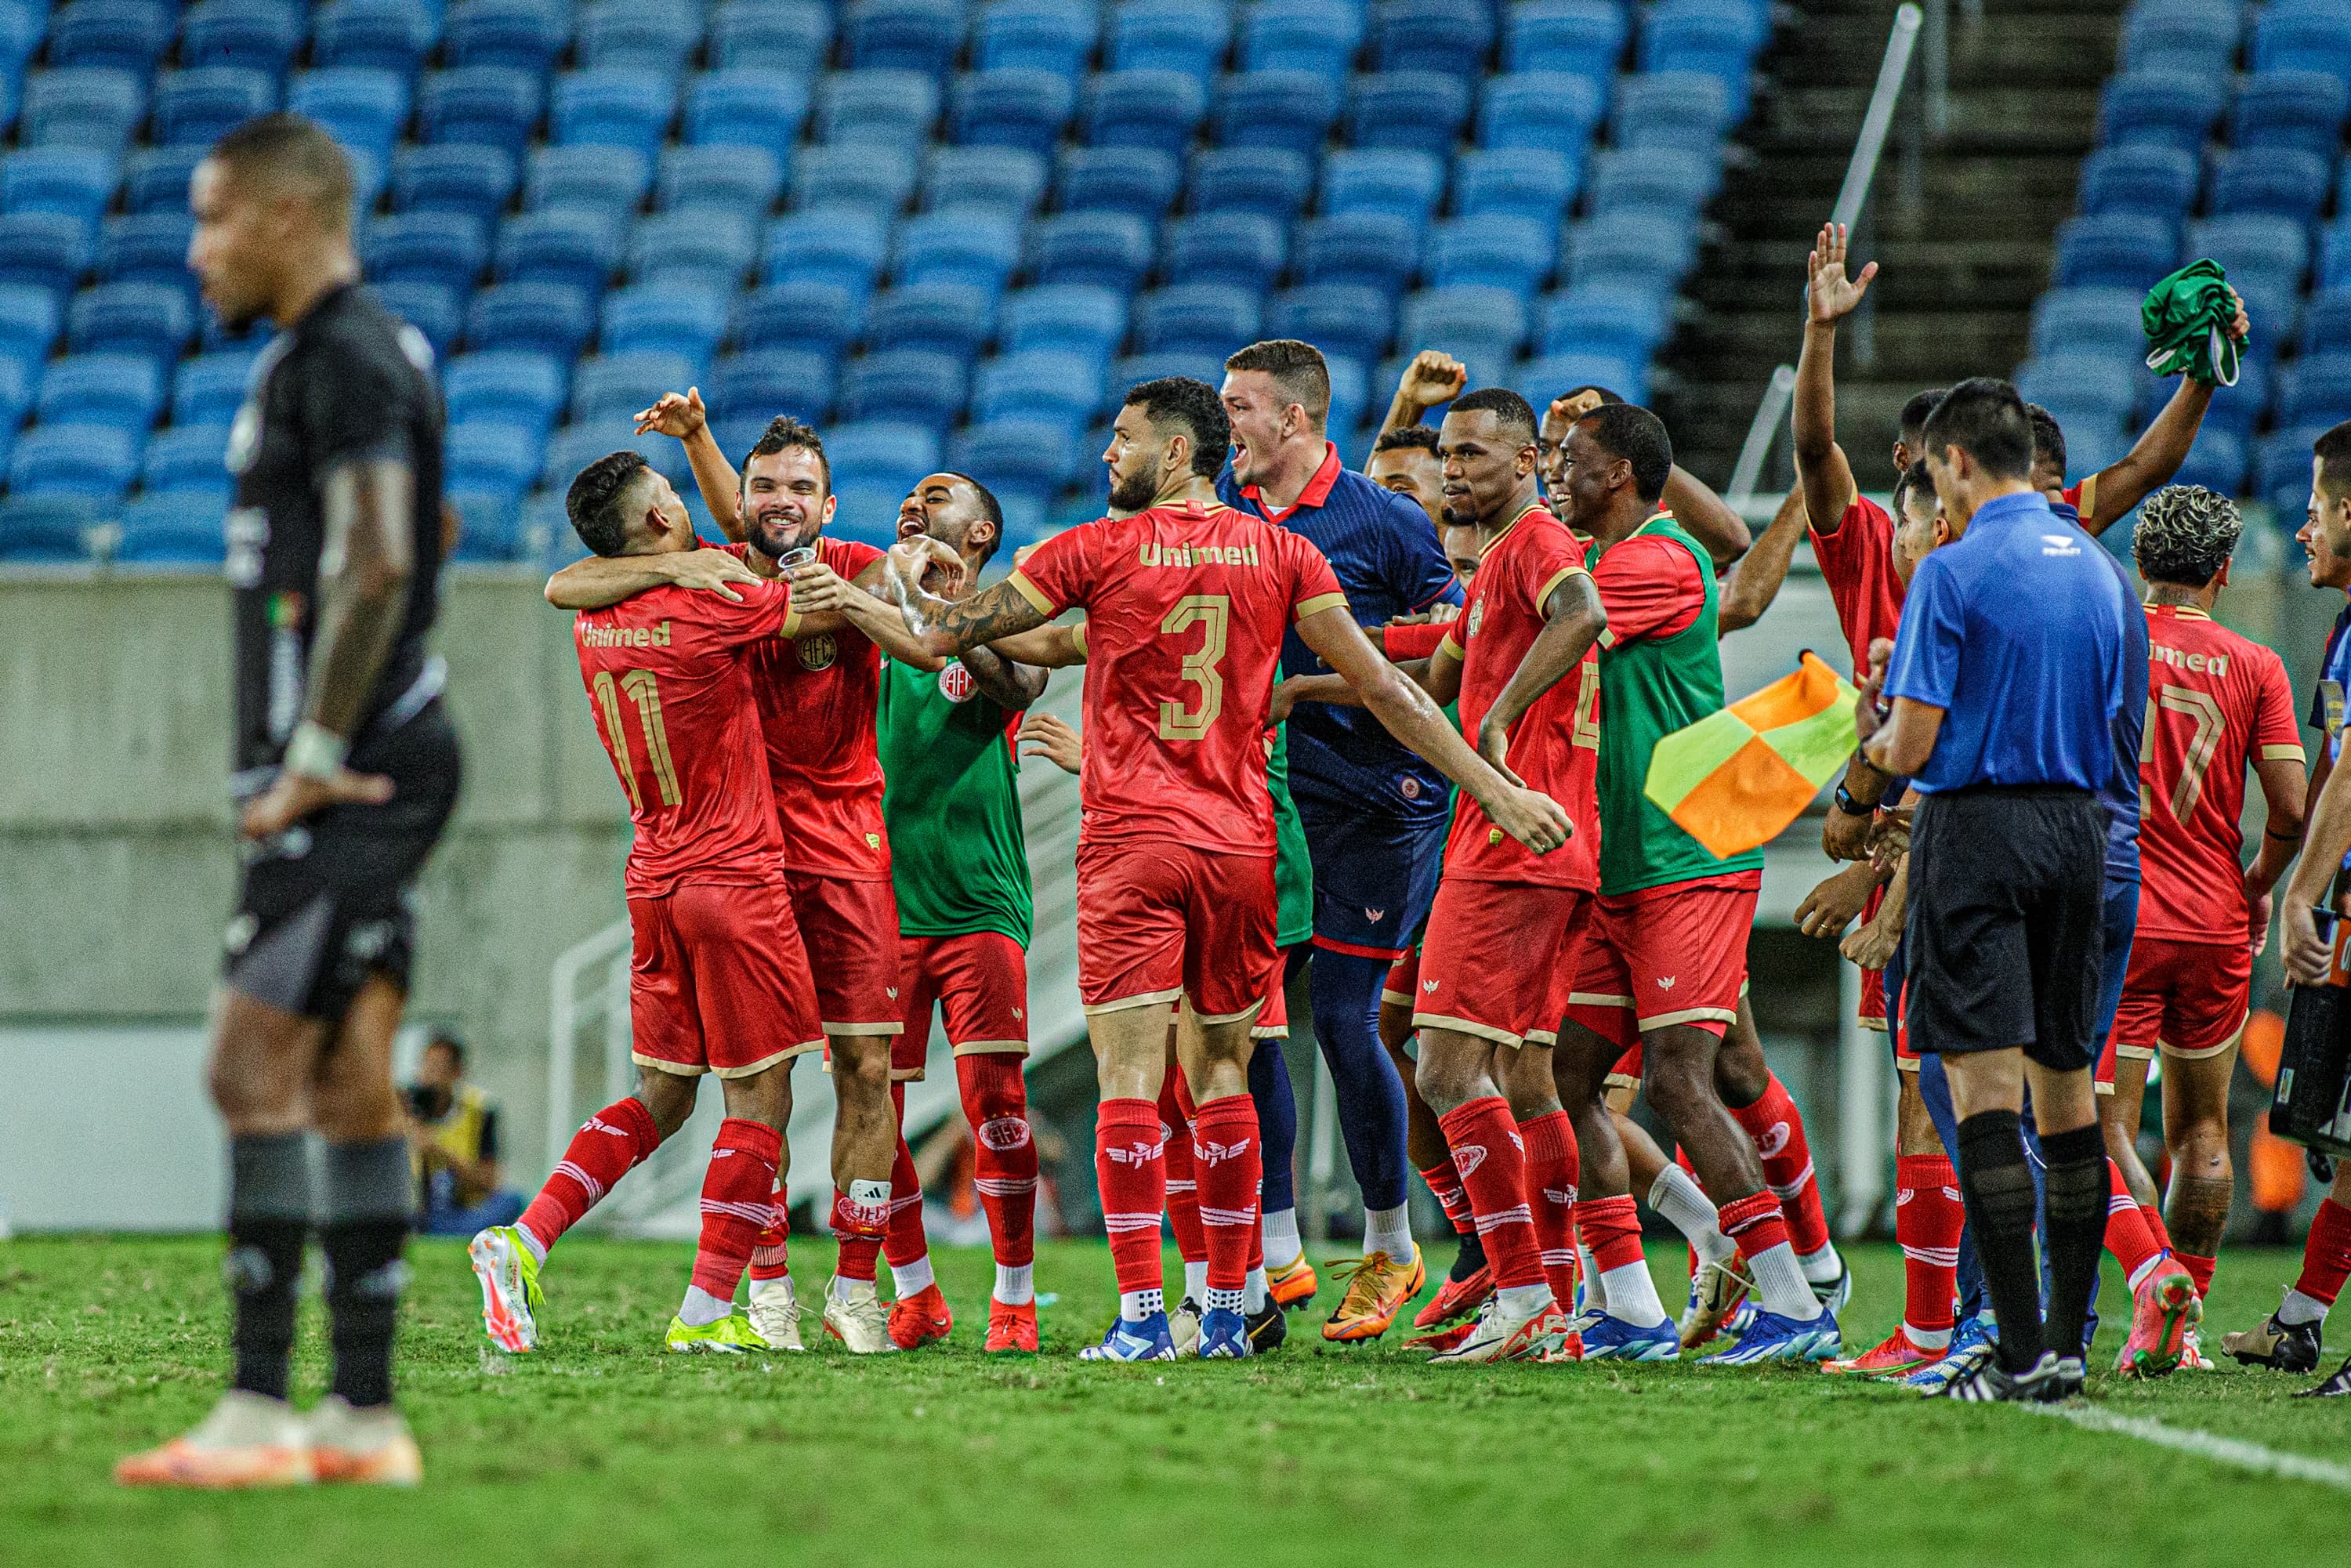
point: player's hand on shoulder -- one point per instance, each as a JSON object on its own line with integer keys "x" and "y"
{"x": 680, "y": 415}
{"x": 294, "y": 796}
{"x": 1042, "y": 734}
{"x": 817, "y": 588}
{"x": 710, "y": 571}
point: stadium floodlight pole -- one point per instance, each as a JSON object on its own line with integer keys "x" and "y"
{"x": 1777, "y": 395}
{"x": 1891, "y": 73}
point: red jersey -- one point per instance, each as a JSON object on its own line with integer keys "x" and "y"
{"x": 1186, "y": 610}
{"x": 1555, "y": 745}
{"x": 668, "y": 673}
{"x": 2216, "y": 703}
{"x": 817, "y": 701}
{"x": 1857, "y": 562}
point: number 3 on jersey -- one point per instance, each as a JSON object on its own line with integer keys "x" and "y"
{"x": 645, "y": 691}
{"x": 1212, "y": 612}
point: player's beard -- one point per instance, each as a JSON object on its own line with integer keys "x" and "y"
{"x": 1133, "y": 493}
{"x": 775, "y": 536}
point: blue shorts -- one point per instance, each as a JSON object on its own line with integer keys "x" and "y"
{"x": 1374, "y": 878}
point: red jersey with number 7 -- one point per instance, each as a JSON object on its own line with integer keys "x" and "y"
{"x": 668, "y": 673}
{"x": 2216, "y": 704}
{"x": 1186, "y": 610}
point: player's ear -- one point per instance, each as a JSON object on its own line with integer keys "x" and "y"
{"x": 831, "y": 501}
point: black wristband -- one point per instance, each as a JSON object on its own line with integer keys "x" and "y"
{"x": 1849, "y": 805}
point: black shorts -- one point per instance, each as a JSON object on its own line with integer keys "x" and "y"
{"x": 2006, "y": 927}
{"x": 331, "y": 900}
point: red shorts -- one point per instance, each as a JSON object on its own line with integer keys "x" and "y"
{"x": 979, "y": 979}
{"x": 1157, "y": 921}
{"x": 852, "y": 932}
{"x": 1273, "y": 1018}
{"x": 718, "y": 981}
{"x": 1497, "y": 958}
{"x": 2189, "y": 999}
{"x": 1873, "y": 982}
{"x": 1664, "y": 955}
{"x": 1403, "y": 982}
{"x": 1626, "y": 1073}
{"x": 1906, "y": 1057}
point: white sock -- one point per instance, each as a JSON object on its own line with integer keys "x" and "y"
{"x": 1253, "y": 1291}
{"x": 1520, "y": 1299}
{"x": 1822, "y": 1267}
{"x": 780, "y": 1285}
{"x": 701, "y": 1307}
{"x": 1688, "y": 1210}
{"x": 847, "y": 1290}
{"x": 1136, "y": 1305}
{"x": 1221, "y": 1300}
{"x": 1283, "y": 1247}
{"x": 1781, "y": 1286}
{"x": 915, "y": 1278}
{"x": 1389, "y": 1230}
{"x": 1926, "y": 1339}
{"x": 1595, "y": 1289}
{"x": 1016, "y": 1283}
{"x": 1631, "y": 1295}
{"x": 537, "y": 1248}
{"x": 2298, "y": 1308}
{"x": 1195, "y": 1280}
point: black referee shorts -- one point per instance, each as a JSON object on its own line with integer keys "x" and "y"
{"x": 2005, "y": 929}
{"x": 329, "y": 902}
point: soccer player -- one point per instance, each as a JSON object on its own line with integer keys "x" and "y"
{"x": 1404, "y": 460}
{"x": 1187, "y": 600}
{"x": 2220, "y": 704}
{"x": 718, "y": 981}
{"x": 346, "y": 769}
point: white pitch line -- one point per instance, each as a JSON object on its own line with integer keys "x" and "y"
{"x": 2234, "y": 1451}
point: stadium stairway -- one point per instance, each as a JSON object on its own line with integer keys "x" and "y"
{"x": 1964, "y": 252}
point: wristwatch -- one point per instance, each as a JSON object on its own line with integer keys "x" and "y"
{"x": 316, "y": 751}
{"x": 1849, "y": 805}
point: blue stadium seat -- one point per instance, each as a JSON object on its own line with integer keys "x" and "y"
{"x": 792, "y": 36}
{"x": 475, "y": 181}
{"x": 950, "y": 317}
{"x": 667, "y": 318}
{"x": 759, "y": 386}
{"x": 905, "y": 386}
{"x": 1319, "y": 37}
{"x": 608, "y": 181}
{"x": 1611, "y": 318}
{"x": 30, "y": 315}
{"x": 47, "y": 249}
{"x": 1111, "y": 249}
{"x": 1011, "y": 107}
{"x": 541, "y": 319}
{"x": 1556, "y": 375}
{"x": 432, "y": 308}
{"x": 1141, "y": 108}
{"x": 2165, "y": 107}
{"x": 575, "y": 446}
{"x": 1136, "y": 369}
{"x": 2181, "y": 35}
{"x": 1187, "y": 36}
{"x": 1055, "y": 35}
{"x": 526, "y": 35}
{"x": 448, "y": 248}
{"x": 172, "y": 529}
{"x": 1541, "y": 109}
{"x": 747, "y": 106}
{"x": 1711, "y": 38}
{"x": 209, "y": 388}
{"x": 2281, "y": 459}
{"x": 2303, "y": 35}
{"x": 1579, "y": 37}
{"x": 1196, "y": 318}
{"x": 488, "y": 461}
{"x": 2233, "y": 410}
{"x": 147, "y": 247}
{"x": 2288, "y": 181}
{"x": 1138, "y": 180}
{"x": 48, "y": 526}
{"x": 199, "y": 105}
{"x": 1453, "y": 36}
{"x": 2079, "y": 382}
{"x": 832, "y": 246}
{"x": 156, "y": 319}
{"x": 1344, "y": 319}
{"x": 877, "y": 108}
{"x": 76, "y": 181}
{"x": 902, "y": 35}
{"x": 82, "y": 107}
{"x": 1022, "y": 463}
{"x": 21, "y": 27}
{"x": 1634, "y": 248}
{"x": 1267, "y": 180}
{"x": 1523, "y": 182}
{"x": 2315, "y": 390}
{"x": 614, "y": 106}
{"x": 17, "y": 382}
{"x": 1288, "y": 109}
{"x": 493, "y": 105}
{"x": 2259, "y": 248}
{"x": 876, "y": 180}
{"x": 2326, "y": 321}
{"x": 875, "y": 466}
{"x": 1350, "y": 388}
{"x": 976, "y": 248}
{"x": 118, "y": 391}
{"x": 2291, "y": 108}
{"x": 155, "y": 178}
{"x": 1381, "y": 250}
{"x": 188, "y": 460}
{"x": 710, "y": 248}
{"x": 364, "y": 107}
{"x": 2217, "y": 462}
{"x": 2334, "y": 255}
{"x": 377, "y": 34}
{"x": 740, "y": 179}
{"x": 1673, "y": 181}
{"x": 1480, "y": 321}
{"x": 564, "y": 246}
{"x": 645, "y": 35}
{"x": 2098, "y": 322}
{"x": 1043, "y": 386}
{"x": 259, "y": 35}
{"x": 1242, "y": 249}
{"x": 2140, "y": 177}
{"x": 2121, "y": 250}
{"x": 811, "y": 315}
{"x": 123, "y": 34}
{"x": 1000, "y": 178}
{"x": 613, "y": 387}
{"x": 1412, "y": 110}
{"x": 1379, "y": 179}
{"x": 1669, "y": 109}
{"x": 1072, "y": 317}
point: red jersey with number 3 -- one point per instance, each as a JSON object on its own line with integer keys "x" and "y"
{"x": 1555, "y": 744}
{"x": 818, "y": 696}
{"x": 1186, "y": 610}
{"x": 669, "y": 675}
{"x": 2216, "y": 704}
{"x": 1857, "y": 561}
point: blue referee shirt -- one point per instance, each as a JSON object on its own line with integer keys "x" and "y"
{"x": 1387, "y": 558}
{"x": 2121, "y": 795}
{"x": 2016, "y": 630}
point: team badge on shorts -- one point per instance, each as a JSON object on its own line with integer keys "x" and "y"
{"x": 955, "y": 684}
{"x": 818, "y": 652}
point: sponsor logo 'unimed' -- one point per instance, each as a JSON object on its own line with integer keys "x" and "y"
{"x": 1153, "y": 553}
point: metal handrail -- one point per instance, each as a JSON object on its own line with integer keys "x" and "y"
{"x": 1879, "y": 119}
{"x": 1777, "y": 394}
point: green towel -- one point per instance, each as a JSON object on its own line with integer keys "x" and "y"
{"x": 2187, "y": 316}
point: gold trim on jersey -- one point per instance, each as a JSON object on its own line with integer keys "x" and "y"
{"x": 1317, "y": 603}
{"x": 1032, "y": 594}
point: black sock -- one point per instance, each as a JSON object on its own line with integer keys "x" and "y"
{"x": 2076, "y": 1187}
{"x": 268, "y": 1221}
{"x": 1997, "y": 1187}
{"x": 369, "y": 1198}
{"x": 1469, "y": 1259}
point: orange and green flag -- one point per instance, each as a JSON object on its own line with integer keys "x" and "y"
{"x": 1737, "y": 777}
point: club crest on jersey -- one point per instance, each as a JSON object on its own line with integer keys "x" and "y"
{"x": 818, "y": 652}
{"x": 1476, "y": 616}
{"x": 955, "y": 684}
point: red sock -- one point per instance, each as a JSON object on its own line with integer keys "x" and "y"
{"x": 860, "y": 1224}
{"x": 1777, "y": 1129}
{"x": 611, "y": 1144}
{"x": 1493, "y": 1166}
{"x": 1130, "y": 1168}
{"x": 903, "y": 1241}
{"x": 1004, "y": 1161}
{"x": 1928, "y": 1215}
{"x": 770, "y": 1255}
{"x": 736, "y": 1192}
{"x": 2326, "y": 1256}
{"x": 2198, "y": 1269}
{"x": 1230, "y": 1165}
{"x": 2127, "y": 1237}
{"x": 2153, "y": 1215}
{"x": 1551, "y": 1171}
{"x": 1182, "y": 1179}
{"x": 1610, "y": 1229}
{"x": 1756, "y": 1222}
{"x": 1445, "y": 1183}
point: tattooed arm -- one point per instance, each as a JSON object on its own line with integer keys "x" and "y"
{"x": 1010, "y": 685}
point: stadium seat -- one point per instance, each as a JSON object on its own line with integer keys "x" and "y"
{"x": 905, "y": 386}
{"x": 525, "y": 35}
{"x": 610, "y": 182}
{"x": 563, "y": 246}
{"x": 156, "y": 319}
{"x": 1710, "y": 38}
{"x": 377, "y": 35}
{"x": 82, "y": 107}
{"x": 1541, "y": 381}
{"x": 30, "y": 315}
{"x": 1541, "y": 109}
{"x": 75, "y": 181}
{"x": 2291, "y": 108}
{"x": 1022, "y": 463}
{"x": 1521, "y": 182}
{"x": 2315, "y": 390}
{"x": 1241, "y": 249}
{"x": 792, "y": 36}
{"x": 2079, "y": 382}
{"x": 118, "y": 391}
{"x": 1267, "y": 180}
{"x": 1141, "y": 108}
{"x": 1196, "y": 318}
{"x": 50, "y": 526}
{"x": 1453, "y": 36}
{"x": 488, "y": 525}
{"x": 901, "y": 35}
{"x": 1055, "y": 35}
{"x": 1318, "y": 36}
{"x": 47, "y": 249}
{"x": 155, "y": 178}
{"x": 2140, "y": 177}
{"x": 707, "y": 248}
{"x": 2288, "y": 182}
{"x": 1000, "y": 178}
{"x": 838, "y": 246}
{"x": 492, "y": 105}
{"x": 1382, "y": 181}
{"x": 448, "y": 248}
{"x": 1109, "y": 249}
{"x": 432, "y": 309}
{"x": 2326, "y": 321}
{"x": 1342, "y": 318}
{"x": 1136, "y": 369}
{"x": 875, "y": 466}
{"x": 1634, "y": 248}
{"x": 740, "y": 180}
{"x": 1674, "y": 182}
{"x": 755, "y": 387}
{"x": 2181, "y": 35}
{"x": 513, "y": 387}
{"x": 747, "y": 106}
{"x": 199, "y": 105}
{"x": 1138, "y": 180}
{"x": 614, "y": 106}
{"x": 2303, "y": 35}
{"x": 1292, "y": 110}
{"x": 877, "y": 108}
{"x": 876, "y": 180}
{"x": 575, "y": 446}
{"x": 541, "y": 318}
{"x": 2217, "y": 462}
{"x": 172, "y": 529}
{"x": 188, "y": 459}
{"x": 121, "y": 34}
{"x": 952, "y": 318}
{"x": 2167, "y": 108}
{"x": 1380, "y": 250}
{"x": 1011, "y": 107}
{"x": 1066, "y": 316}
{"x": 363, "y": 107}
{"x": 1411, "y": 111}
{"x": 209, "y": 388}
{"x": 257, "y": 34}
{"x": 1613, "y": 318}
{"x": 1467, "y": 321}
{"x": 1061, "y": 387}
{"x": 1579, "y": 37}
{"x": 2123, "y": 250}
{"x": 476, "y": 182}
{"x": 1187, "y": 36}
{"x": 643, "y": 34}
{"x": 1670, "y": 109}
{"x": 611, "y": 388}
{"x": 2097, "y": 321}
{"x": 670, "y": 318}
{"x": 979, "y": 249}
{"x": 2232, "y": 410}
{"x": 811, "y": 315}
{"x": 2256, "y": 248}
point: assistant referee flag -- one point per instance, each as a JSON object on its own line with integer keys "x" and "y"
{"x": 1737, "y": 777}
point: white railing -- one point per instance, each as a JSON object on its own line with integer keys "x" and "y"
{"x": 1778, "y": 392}
{"x": 1879, "y": 118}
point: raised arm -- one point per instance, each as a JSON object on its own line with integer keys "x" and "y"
{"x": 1432, "y": 377}
{"x": 1749, "y": 589}
{"x": 601, "y": 580}
{"x": 1572, "y": 621}
{"x": 1822, "y": 472}
{"x": 681, "y": 414}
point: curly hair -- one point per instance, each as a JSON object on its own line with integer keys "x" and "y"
{"x": 2185, "y": 535}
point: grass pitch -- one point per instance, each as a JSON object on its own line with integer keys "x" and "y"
{"x": 598, "y": 1449}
